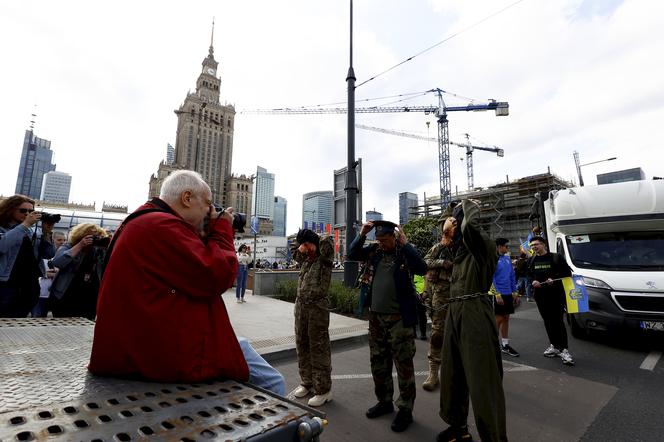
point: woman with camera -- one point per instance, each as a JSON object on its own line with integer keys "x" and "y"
{"x": 76, "y": 286}
{"x": 22, "y": 247}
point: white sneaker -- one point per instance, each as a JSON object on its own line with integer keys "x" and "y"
{"x": 301, "y": 391}
{"x": 551, "y": 352}
{"x": 238, "y": 300}
{"x": 320, "y": 399}
{"x": 566, "y": 357}
{"x": 242, "y": 300}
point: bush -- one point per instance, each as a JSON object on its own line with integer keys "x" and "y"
{"x": 343, "y": 300}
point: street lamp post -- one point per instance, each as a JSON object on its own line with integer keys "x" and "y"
{"x": 579, "y": 165}
{"x": 257, "y": 226}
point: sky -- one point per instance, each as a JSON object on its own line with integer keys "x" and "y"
{"x": 582, "y": 75}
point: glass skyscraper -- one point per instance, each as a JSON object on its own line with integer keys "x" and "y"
{"x": 36, "y": 160}
{"x": 279, "y": 223}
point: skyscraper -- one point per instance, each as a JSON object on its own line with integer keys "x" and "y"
{"x": 407, "y": 200}
{"x": 36, "y": 160}
{"x": 170, "y": 154}
{"x": 317, "y": 208}
{"x": 263, "y": 194}
{"x": 55, "y": 187}
{"x": 280, "y": 209}
{"x": 340, "y": 195}
{"x": 204, "y": 140}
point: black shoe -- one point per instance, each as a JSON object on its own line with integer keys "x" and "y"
{"x": 509, "y": 351}
{"x": 402, "y": 420}
{"x": 423, "y": 337}
{"x": 454, "y": 434}
{"x": 380, "y": 409}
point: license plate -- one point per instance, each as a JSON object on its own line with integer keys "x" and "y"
{"x": 652, "y": 325}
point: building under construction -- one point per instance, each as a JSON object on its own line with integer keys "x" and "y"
{"x": 505, "y": 207}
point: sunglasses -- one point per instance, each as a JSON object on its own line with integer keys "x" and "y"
{"x": 24, "y": 211}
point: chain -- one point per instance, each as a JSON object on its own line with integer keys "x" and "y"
{"x": 452, "y": 300}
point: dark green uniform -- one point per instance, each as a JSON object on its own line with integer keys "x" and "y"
{"x": 471, "y": 359}
{"x": 312, "y": 319}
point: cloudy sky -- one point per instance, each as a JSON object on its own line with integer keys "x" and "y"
{"x": 580, "y": 75}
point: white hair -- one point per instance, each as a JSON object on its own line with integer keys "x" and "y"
{"x": 181, "y": 181}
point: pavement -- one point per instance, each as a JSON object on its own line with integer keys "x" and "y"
{"x": 268, "y": 324}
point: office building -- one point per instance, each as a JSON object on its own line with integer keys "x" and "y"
{"x": 36, "y": 160}
{"x": 372, "y": 215}
{"x": 407, "y": 207}
{"x": 170, "y": 154}
{"x": 279, "y": 222}
{"x": 317, "y": 208}
{"x": 339, "y": 185}
{"x": 55, "y": 187}
{"x": 239, "y": 194}
{"x": 263, "y": 194}
{"x": 620, "y": 176}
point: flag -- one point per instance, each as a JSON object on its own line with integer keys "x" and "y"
{"x": 575, "y": 294}
{"x": 336, "y": 240}
{"x": 328, "y": 228}
{"x": 525, "y": 247}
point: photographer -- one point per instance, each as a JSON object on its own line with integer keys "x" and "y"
{"x": 160, "y": 314}
{"x": 76, "y": 286}
{"x": 22, "y": 247}
{"x": 41, "y": 309}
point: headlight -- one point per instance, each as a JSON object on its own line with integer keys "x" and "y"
{"x": 596, "y": 283}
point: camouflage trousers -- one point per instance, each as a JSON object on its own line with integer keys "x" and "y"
{"x": 437, "y": 326}
{"x": 312, "y": 341}
{"x": 390, "y": 342}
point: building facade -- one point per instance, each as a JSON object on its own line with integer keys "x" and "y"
{"x": 170, "y": 154}
{"x": 372, "y": 215}
{"x": 407, "y": 201}
{"x": 620, "y": 176}
{"x": 317, "y": 208}
{"x": 239, "y": 193}
{"x": 36, "y": 160}
{"x": 156, "y": 181}
{"x": 263, "y": 194}
{"x": 339, "y": 184}
{"x": 55, "y": 187}
{"x": 280, "y": 210}
{"x": 204, "y": 139}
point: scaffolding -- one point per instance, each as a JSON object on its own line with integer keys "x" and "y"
{"x": 505, "y": 207}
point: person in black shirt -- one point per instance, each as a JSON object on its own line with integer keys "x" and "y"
{"x": 545, "y": 269}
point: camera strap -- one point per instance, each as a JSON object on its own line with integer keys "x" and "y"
{"x": 161, "y": 207}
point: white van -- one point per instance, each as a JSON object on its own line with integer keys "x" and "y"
{"x": 613, "y": 236}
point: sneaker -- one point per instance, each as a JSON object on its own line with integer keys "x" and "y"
{"x": 242, "y": 299}
{"x": 402, "y": 420}
{"x": 454, "y": 434}
{"x": 380, "y": 409}
{"x": 566, "y": 357}
{"x": 238, "y": 300}
{"x": 423, "y": 337}
{"x": 320, "y": 399}
{"x": 301, "y": 391}
{"x": 510, "y": 351}
{"x": 551, "y": 352}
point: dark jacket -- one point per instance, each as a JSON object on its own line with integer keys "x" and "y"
{"x": 408, "y": 263}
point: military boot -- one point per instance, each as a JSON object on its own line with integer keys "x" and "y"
{"x": 432, "y": 381}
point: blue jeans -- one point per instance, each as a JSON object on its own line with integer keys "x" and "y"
{"x": 527, "y": 286}
{"x": 241, "y": 284}
{"x": 261, "y": 373}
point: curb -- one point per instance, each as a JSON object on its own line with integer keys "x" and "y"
{"x": 289, "y": 352}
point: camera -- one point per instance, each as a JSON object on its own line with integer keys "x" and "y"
{"x": 100, "y": 241}
{"x": 50, "y": 218}
{"x": 239, "y": 219}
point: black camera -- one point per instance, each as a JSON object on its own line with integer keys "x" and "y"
{"x": 101, "y": 241}
{"x": 50, "y": 218}
{"x": 239, "y": 219}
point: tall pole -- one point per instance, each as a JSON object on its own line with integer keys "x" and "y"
{"x": 258, "y": 224}
{"x": 350, "y": 268}
{"x": 578, "y": 168}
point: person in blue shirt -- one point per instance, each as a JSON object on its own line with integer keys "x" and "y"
{"x": 507, "y": 296}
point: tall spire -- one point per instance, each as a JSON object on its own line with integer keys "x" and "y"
{"x": 212, "y": 40}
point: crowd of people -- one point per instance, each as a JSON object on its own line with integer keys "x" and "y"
{"x": 155, "y": 288}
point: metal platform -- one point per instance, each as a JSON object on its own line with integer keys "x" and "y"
{"x": 46, "y": 392}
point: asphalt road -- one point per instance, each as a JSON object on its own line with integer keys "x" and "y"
{"x": 614, "y": 393}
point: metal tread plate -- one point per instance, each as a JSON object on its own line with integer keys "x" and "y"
{"x": 47, "y": 392}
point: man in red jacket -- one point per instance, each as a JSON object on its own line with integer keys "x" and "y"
{"x": 160, "y": 315}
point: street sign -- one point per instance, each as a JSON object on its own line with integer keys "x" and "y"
{"x": 254, "y": 225}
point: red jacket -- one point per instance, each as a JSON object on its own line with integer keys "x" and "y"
{"x": 160, "y": 315}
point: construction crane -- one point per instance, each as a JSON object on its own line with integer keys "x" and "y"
{"x": 440, "y": 111}
{"x": 469, "y": 147}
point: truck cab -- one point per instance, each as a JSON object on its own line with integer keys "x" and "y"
{"x": 613, "y": 236}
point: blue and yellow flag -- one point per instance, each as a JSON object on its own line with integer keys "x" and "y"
{"x": 575, "y": 294}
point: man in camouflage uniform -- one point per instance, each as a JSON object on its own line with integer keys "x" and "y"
{"x": 471, "y": 360}
{"x": 439, "y": 262}
{"x": 312, "y": 317}
{"x": 392, "y": 315}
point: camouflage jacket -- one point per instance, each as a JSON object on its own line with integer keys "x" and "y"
{"x": 315, "y": 274}
{"x": 435, "y": 260}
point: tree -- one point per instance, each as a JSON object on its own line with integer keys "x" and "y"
{"x": 423, "y": 232}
